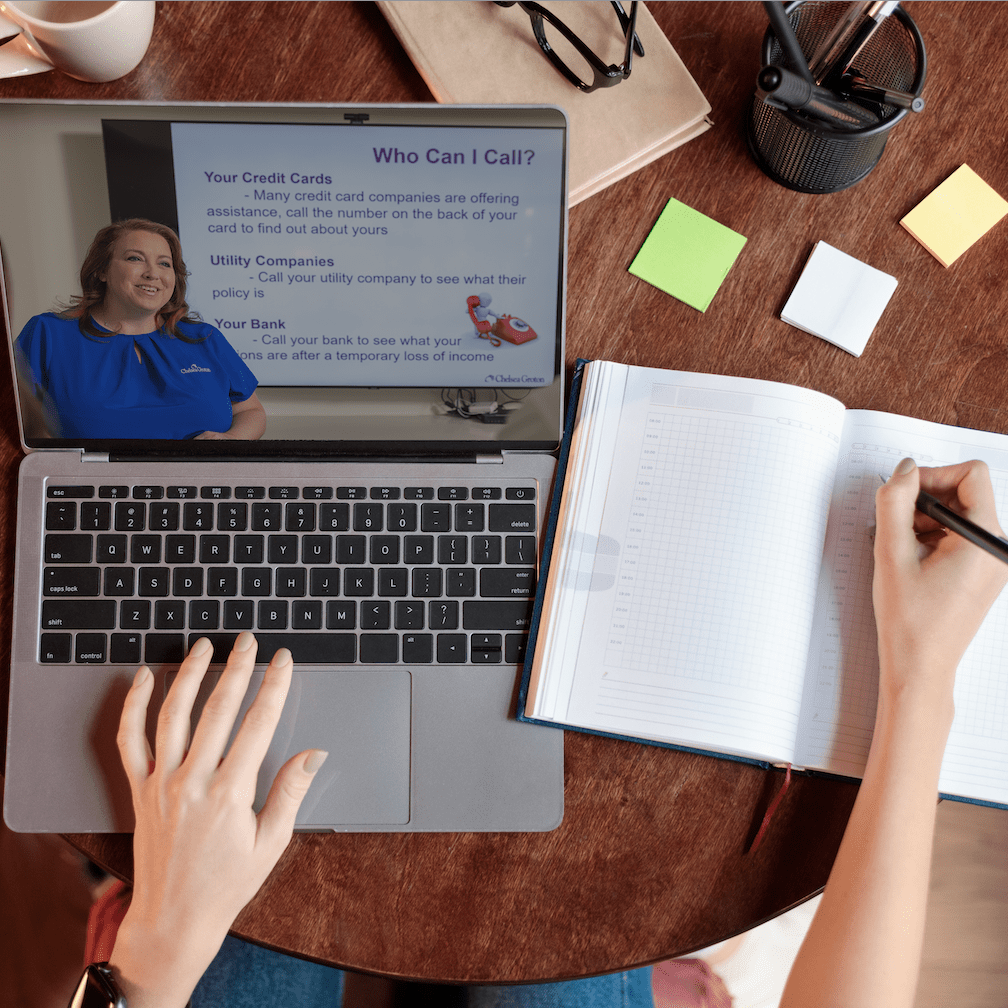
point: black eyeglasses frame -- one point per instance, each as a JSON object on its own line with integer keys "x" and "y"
{"x": 605, "y": 76}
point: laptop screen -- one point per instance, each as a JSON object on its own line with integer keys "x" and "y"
{"x": 365, "y": 274}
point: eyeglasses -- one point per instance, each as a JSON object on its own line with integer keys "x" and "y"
{"x": 581, "y": 56}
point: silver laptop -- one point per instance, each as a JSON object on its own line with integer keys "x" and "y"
{"x": 393, "y": 278}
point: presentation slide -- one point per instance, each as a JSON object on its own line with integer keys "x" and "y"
{"x": 375, "y": 255}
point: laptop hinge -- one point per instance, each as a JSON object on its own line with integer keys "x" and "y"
{"x": 94, "y": 456}
{"x": 489, "y": 459}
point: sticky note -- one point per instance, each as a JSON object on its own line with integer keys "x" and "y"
{"x": 839, "y": 298}
{"x": 687, "y": 255}
{"x": 950, "y": 219}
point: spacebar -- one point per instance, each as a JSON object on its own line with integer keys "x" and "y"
{"x": 306, "y": 648}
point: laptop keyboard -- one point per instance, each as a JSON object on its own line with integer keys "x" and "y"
{"x": 338, "y": 574}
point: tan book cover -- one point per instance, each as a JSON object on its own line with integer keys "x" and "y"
{"x": 474, "y": 52}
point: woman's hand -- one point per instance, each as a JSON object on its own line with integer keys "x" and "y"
{"x": 200, "y": 852}
{"x": 932, "y": 588}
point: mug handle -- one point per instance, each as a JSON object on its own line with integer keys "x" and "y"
{"x": 22, "y": 56}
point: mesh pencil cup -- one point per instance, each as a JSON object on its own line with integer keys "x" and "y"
{"x": 810, "y": 156}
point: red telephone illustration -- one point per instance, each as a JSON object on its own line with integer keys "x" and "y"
{"x": 512, "y": 329}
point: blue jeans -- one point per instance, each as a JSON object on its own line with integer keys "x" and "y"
{"x": 244, "y": 975}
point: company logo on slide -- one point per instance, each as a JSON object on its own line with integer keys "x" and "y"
{"x": 194, "y": 368}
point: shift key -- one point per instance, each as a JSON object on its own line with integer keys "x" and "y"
{"x": 71, "y": 581}
{"x": 78, "y": 614}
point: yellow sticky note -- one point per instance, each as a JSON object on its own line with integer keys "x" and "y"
{"x": 961, "y": 210}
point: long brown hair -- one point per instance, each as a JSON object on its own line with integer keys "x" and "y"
{"x": 96, "y": 262}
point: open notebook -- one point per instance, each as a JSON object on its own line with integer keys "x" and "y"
{"x": 388, "y": 281}
{"x": 710, "y": 569}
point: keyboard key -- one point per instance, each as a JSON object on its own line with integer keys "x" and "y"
{"x": 520, "y": 493}
{"x": 169, "y": 614}
{"x": 486, "y": 549}
{"x": 497, "y": 615}
{"x": 306, "y": 649}
{"x": 375, "y": 615}
{"x": 182, "y": 492}
{"x": 316, "y": 549}
{"x": 435, "y": 517}
{"x": 291, "y": 581}
{"x": 358, "y": 581}
{"x": 418, "y": 648}
{"x": 204, "y": 614}
{"x": 402, "y": 517}
{"x": 351, "y": 493}
{"x": 222, "y": 581}
{"x": 519, "y": 549}
{"x": 249, "y": 492}
{"x": 350, "y": 549}
{"x": 384, "y": 549}
{"x": 67, "y": 549}
{"x": 215, "y": 492}
{"x": 248, "y": 549}
{"x": 505, "y": 582}
{"x": 385, "y": 493}
{"x": 78, "y": 614}
{"x": 256, "y": 580}
{"x": 119, "y": 580}
{"x": 164, "y": 649}
{"x": 187, "y": 581}
{"x": 418, "y": 549}
{"x": 306, "y": 615}
{"x": 129, "y": 517}
{"x": 281, "y": 549}
{"x": 232, "y": 517}
{"x": 56, "y": 647}
{"x": 484, "y": 657}
{"x": 419, "y": 493}
{"x": 272, "y": 615}
{"x": 323, "y": 582}
{"x": 266, "y": 517}
{"x": 148, "y": 492}
{"x": 392, "y": 581}
{"x": 61, "y": 516}
{"x": 443, "y": 615}
{"x": 460, "y": 581}
{"x": 512, "y": 518}
{"x": 453, "y": 549}
{"x": 238, "y": 614}
{"x": 284, "y": 493}
{"x": 134, "y": 614}
{"x": 334, "y": 517}
{"x": 125, "y": 648}
{"x": 214, "y": 549}
{"x": 197, "y": 517}
{"x": 317, "y": 493}
{"x": 453, "y": 493}
{"x": 145, "y": 549}
{"x": 409, "y": 615}
{"x": 113, "y": 492}
{"x": 368, "y": 517}
{"x": 95, "y": 515}
{"x": 300, "y": 518}
{"x": 341, "y": 615}
{"x": 426, "y": 582}
{"x": 180, "y": 549}
{"x": 486, "y": 493}
{"x": 64, "y": 492}
{"x": 153, "y": 581}
{"x": 469, "y": 517}
{"x": 451, "y": 649}
{"x": 90, "y": 648}
{"x": 76, "y": 581}
{"x": 163, "y": 517}
{"x": 379, "y": 649}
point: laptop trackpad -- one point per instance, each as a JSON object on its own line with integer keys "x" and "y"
{"x": 362, "y": 719}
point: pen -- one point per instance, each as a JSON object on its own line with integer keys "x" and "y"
{"x": 783, "y": 89}
{"x": 787, "y": 38}
{"x": 858, "y": 87}
{"x": 872, "y": 21}
{"x": 835, "y": 43}
{"x": 933, "y": 508}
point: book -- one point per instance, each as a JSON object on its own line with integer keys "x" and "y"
{"x": 478, "y": 53}
{"x": 707, "y": 569}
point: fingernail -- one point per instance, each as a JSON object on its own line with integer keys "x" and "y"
{"x": 283, "y": 656}
{"x": 244, "y": 641}
{"x": 315, "y": 759}
{"x": 906, "y": 466}
{"x": 200, "y": 647}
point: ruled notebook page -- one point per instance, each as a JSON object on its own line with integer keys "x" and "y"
{"x": 842, "y": 683}
{"x": 694, "y": 625}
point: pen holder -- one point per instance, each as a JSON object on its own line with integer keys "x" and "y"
{"x": 811, "y": 156}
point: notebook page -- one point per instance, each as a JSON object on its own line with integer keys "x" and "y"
{"x": 696, "y": 624}
{"x": 842, "y": 682}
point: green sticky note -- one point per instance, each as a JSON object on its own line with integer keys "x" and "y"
{"x": 687, "y": 255}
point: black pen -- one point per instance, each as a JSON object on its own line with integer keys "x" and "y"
{"x": 933, "y": 508}
{"x": 779, "y": 87}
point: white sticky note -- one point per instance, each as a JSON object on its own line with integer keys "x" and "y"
{"x": 839, "y": 298}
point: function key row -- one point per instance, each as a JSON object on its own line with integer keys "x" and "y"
{"x": 147, "y": 492}
{"x": 270, "y": 516}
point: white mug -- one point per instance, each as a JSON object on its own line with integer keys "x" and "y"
{"x": 92, "y": 40}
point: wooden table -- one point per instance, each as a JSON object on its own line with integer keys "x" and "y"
{"x": 652, "y": 859}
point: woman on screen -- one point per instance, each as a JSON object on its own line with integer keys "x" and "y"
{"x": 127, "y": 359}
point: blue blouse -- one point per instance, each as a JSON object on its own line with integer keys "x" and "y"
{"x": 94, "y": 386}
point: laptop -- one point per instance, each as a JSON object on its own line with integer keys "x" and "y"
{"x": 393, "y": 278}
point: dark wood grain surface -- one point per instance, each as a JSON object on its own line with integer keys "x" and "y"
{"x": 652, "y": 859}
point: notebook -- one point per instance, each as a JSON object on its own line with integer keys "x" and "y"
{"x": 392, "y": 278}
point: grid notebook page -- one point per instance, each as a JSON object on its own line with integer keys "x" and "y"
{"x": 717, "y": 502}
{"x": 842, "y": 685}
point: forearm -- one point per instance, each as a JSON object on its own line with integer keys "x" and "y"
{"x": 247, "y": 424}
{"x": 863, "y": 948}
